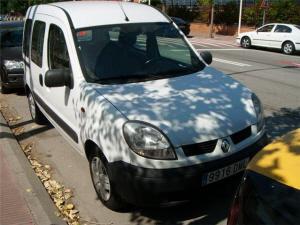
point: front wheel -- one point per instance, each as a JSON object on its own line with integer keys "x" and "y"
{"x": 4, "y": 90}
{"x": 288, "y": 48}
{"x": 101, "y": 178}
{"x": 35, "y": 112}
{"x": 246, "y": 42}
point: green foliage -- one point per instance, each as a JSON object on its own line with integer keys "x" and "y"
{"x": 8, "y": 6}
{"x": 227, "y": 14}
{"x": 182, "y": 12}
{"x": 284, "y": 11}
{"x": 252, "y": 16}
{"x": 280, "y": 11}
{"x": 205, "y": 2}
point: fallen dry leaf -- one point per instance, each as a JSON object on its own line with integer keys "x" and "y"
{"x": 70, "y": 206}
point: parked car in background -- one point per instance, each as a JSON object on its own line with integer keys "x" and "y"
{"x": 274, "y": 35}
{"x": 270, "y": 190}
{"x": 142, "y": 105}
{"x": 12, "y": 66}
{"x": 183, "y": 25}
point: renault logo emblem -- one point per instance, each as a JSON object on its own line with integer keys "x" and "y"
{"x": 225, "y": 146}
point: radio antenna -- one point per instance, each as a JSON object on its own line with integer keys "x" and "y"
{"x": 121, "y": 6}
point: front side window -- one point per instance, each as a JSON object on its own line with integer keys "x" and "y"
{"x": 28, "y": 26}
{"x": 282, "y": 29}
{"x": 125, "y": 53}
{"x": 58, "y": 56}
{"x": 267, "y": 28}
{"x": 38, "y": 42}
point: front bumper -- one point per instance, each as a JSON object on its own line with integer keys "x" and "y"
{"x": 297, "y": 46}
{"x": 12, "y": 79}
{"x": 142, "y": 186}
{"x": 238, "y": 40}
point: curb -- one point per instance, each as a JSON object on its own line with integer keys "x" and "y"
{"x": 38, "y": 200}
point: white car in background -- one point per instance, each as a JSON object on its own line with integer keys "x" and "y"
{"x": 274, "y": 35}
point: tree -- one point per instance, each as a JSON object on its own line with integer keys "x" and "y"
{"x": 227, "y": 14}
{"x": 284, "y": 11}
{"x": 20, "y": 6}
{"x": 211, "y": 4}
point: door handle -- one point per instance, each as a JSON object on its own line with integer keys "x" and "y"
{"x": 41, "y": 80}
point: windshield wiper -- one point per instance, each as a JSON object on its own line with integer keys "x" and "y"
{"x": 127, "y": 78}
{"x": 178, "y": 71}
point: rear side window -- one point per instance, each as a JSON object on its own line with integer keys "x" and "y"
{"x": 37, "y": 42}
{"x": 282, "y": 29}
{"x": 28, "y": 25}
{"x": 58, "y": 56}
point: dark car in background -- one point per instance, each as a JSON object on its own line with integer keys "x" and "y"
{"x": 12, "y": 66}
{"x": 183, "y": 25}
{"x": 270, "y": 190}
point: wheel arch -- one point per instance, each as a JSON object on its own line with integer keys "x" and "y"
{"x": 90, "y": 147}
{"x": 246, "y": 36}
{"x": 286, "y": 42}
{"x": 27, "y": 90}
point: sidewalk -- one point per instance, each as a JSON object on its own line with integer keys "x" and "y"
{"x": 23, "y": 199}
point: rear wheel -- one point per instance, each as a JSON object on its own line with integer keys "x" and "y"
{"x": 288, "y": 48}
{"x": 101, "y": 178}
{"x": 246, "y": 42}
{"x": 35, "y": 112}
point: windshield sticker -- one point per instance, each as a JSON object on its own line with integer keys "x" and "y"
{"x": 85, "y": 35}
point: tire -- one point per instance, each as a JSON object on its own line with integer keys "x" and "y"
{"x": 246, "y": 42}
{"x": 4, "y": 90}
{"x": 288, "y": 48}
{"x": 102, "y": 182}
{"x": 36, "y": 114}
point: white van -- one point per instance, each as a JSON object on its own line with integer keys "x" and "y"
{"x": 125, "y": 87}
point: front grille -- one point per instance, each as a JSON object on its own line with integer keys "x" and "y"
{"x": 199, "y": 148}
{"x": 241, "y": 135}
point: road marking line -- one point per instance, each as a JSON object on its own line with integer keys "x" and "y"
{"x": 221, "y": 49}
{"x": 230, "y": 62}
{"x": 205, "y": 43}
{"x": 198, "y": 44}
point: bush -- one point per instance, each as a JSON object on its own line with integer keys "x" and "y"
{"x": 182, "y": 12}
{"x": 280, "y": 11}
{"x": 227, "y": 14}
{"x": 284, "y": 11}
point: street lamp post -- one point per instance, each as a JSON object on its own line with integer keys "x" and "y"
{"x": 212, "y": 19}
{"x": 240, "y": 16}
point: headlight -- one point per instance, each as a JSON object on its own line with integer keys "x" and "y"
{"x": 259, "y": 112}
{"x": 13, "y": 64}
{"x": 145, "y": 140}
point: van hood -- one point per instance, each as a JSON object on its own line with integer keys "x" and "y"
{"x": 189, "y": 109}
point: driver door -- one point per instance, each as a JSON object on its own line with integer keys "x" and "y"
{"x": 263, "y": 36}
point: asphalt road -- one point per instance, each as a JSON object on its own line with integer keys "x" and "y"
{"x": 274, "y": 77}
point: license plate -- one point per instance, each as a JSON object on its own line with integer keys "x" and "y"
{"x": 224, "y": 172}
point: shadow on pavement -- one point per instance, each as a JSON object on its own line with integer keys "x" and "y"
{"x": 208, "y": 206}
{"x": 282, "y": 122}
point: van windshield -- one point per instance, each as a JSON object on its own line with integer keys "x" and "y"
{"x": 127, "y": 53}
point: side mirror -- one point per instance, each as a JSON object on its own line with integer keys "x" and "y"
{"x": 58, "y": 78}
{"x": 207, "y": 57}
